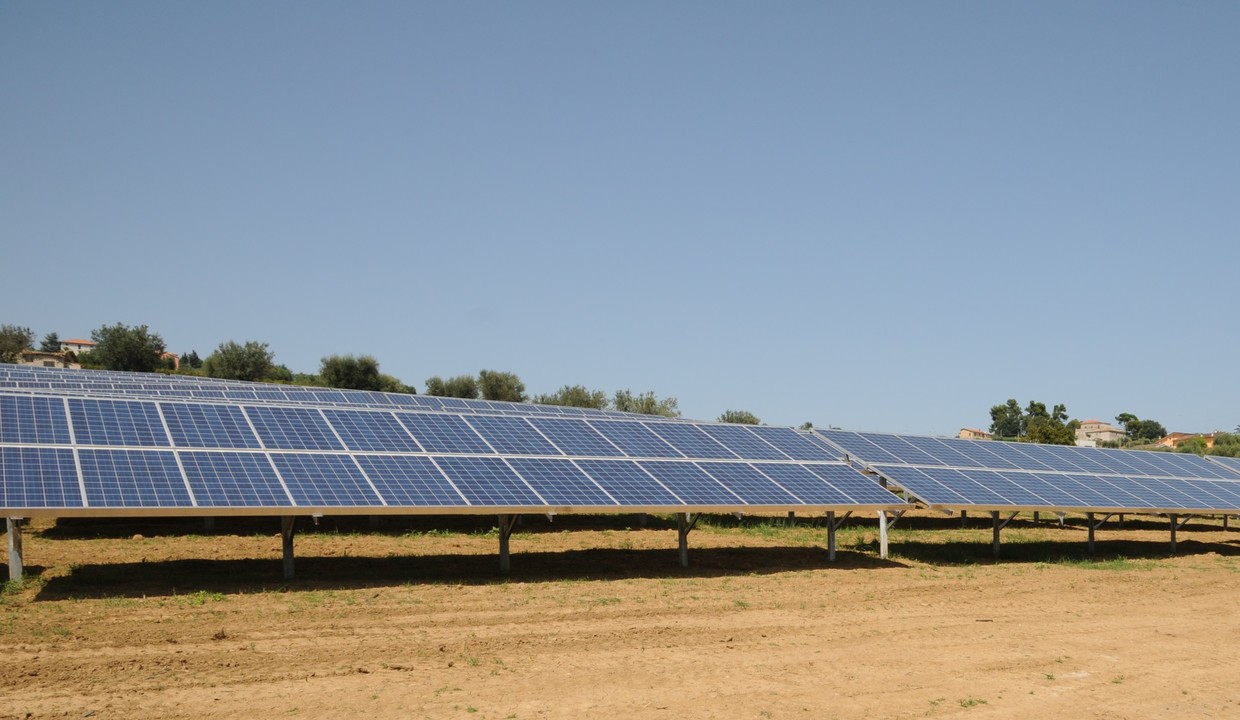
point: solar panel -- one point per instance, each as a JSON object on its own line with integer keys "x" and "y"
{"x": 443, "y": 433}
{"x": 292, "y": 428}
{"x": 488, "y": 481}
{"x": 38, "y": 478}
{"x": 628, "y": 483}
{"x": 746, "y": 444}
{"x": 511, "y": 435}
{"x": 796, "y": 445}
{"x": 27, "y": 419}
{"x": 116, "y": 423}
{"x": 575, "y": 437}
{"x": 133, "y": 479}
{"x": 860, "y": 488}
{"x": 690, "y": 483}
{"x": 208, "y": 426}
{"x": 560, "y": 482}
{"x": 805, "y": 485}
{"x": 635, "y": 439}
{"x": 321, "y": 480}
{"x": 410, "y": 481}
{"x": 690, "y": 441}
{"x": 224, "y": 479}
{"x": 750, "y": 485}
{"x": 371, "y": 431}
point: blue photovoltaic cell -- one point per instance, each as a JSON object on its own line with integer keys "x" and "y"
{"x": 977, "y": 493}
{"x": 40, "y": 420}
{"x": 292, "y": 428}
{"x": 796, "y": 445}
{"x": 742, "y": 441}
{"x": 208, "y": 426}
{"x": 808, "y": 487}
{"x": 408, "y": 481}
{"x": 116, "y": 423}
{"x": 443, "y": 433}
{"x": 690, "y": 483}
{"x": 944, "y": 451}
{"x": 133, "y": 479}
{"x": 634, "y": 438}
{"x": 224, "y": 479}
{"x": 628, "y": 483}
{"x": 324, "y": 480}
{"x": 575, "y": 437}
{"x": 511, "y": 435}
{"x": 371, "y": 431}
{"x": 750, "y": 485}
{"x": 690, "y": 441}
{"x": 560, "y": 482}
{"x": 857, "y": 446}
{"x": 38, "y": 478}
{"x": 1232, "y": 465}
{"x": 863, "y": 489}
{"x": 926, "y": 488}
{"x": 487, "y": 481}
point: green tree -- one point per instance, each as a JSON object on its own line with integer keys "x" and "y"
{"x": 740, "y": 417}
{"x": 505, "y": 386}
{"x": 1139, "y": 430}
{"x": 14, "y": 339}
{"x": 191, "y": 360}
{"x": 51, "y": 343}
{"x": 1226, "y": 444}
{"x": 1007, "y": 421}
{"x": 575, "y": 396}
{"x": 119, "y": 347}
{"x": 807, "y": 426}
{"x": 1194, "y": 445}
{"x": 231, "y": 361}
{"x": 646, "y": 404}
{"x": 350, "y": 372}
{"x": 461, "y": 386}
{"x": 392, "y": 384}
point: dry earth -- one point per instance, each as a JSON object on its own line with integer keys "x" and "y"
{"x": 597, "y": 620}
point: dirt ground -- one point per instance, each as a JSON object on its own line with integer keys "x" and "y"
{"x": 162, "y": 619}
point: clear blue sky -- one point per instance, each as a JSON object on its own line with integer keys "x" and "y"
{"x": 878, "y": 216}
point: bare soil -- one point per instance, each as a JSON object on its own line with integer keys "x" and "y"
{"x": 162, "y": 619}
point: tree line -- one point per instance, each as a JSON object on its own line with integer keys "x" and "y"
{"x": 138, "y": 349}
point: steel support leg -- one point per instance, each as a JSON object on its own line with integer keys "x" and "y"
{"x": 1174, "y": 527}
{"x": 506, "y": 523}
{"x": 286, "y": 534}
{"x": 882, "y": 534}
{"x": 682, "y": 532}
{"x": 830, "y": 536}
{"x": 994, "y": 519}
{"x": 17, "y": 565}
{"x": 1089, "y": 520}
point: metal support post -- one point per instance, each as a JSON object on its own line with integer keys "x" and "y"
{"x": 994, "y": 519}
{"x": 506, "y": 523}
{"x": 684, "y": 524}
{"x": 830, "y": 536}
{"x": 1174, "y": 526}
{"x": 1224, "y": 523}
{"x": 286, "y": 534}
{"x": 882, "y": 534}
{"x": 1036, "y": 516}
{"x": 17, "y": 565}
{"x": 1061, "y": 518}
{"x": 964, "y": 518}
{"x": 1121, "y": 521}
{"x": 208, "y": 524}
{"x": 792, "y": 518}
{"x": 1089, "y": 520}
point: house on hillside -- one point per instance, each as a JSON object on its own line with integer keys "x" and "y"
{"x": 1176, "y": 439}
{"x": 77, "y": 345}
{"x": 1092, "y": 432}
{"x": 974, "y": 434}
{"x": 64, "y": 359}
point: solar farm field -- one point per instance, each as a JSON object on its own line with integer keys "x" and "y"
{"x": 159, "y": 618}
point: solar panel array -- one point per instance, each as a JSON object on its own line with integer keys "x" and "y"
{"x": 959, "y": 474}
{"x": 150, "y": 385}
{"x": 69, "y": 451}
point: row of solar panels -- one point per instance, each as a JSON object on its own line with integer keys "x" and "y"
{"x": 69, "y": 479}
{"x": 878, "y": 448}
{"x": 153, "y": 385}
{"x": 950, "y": 473}
{"x": 28, "y": 419}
